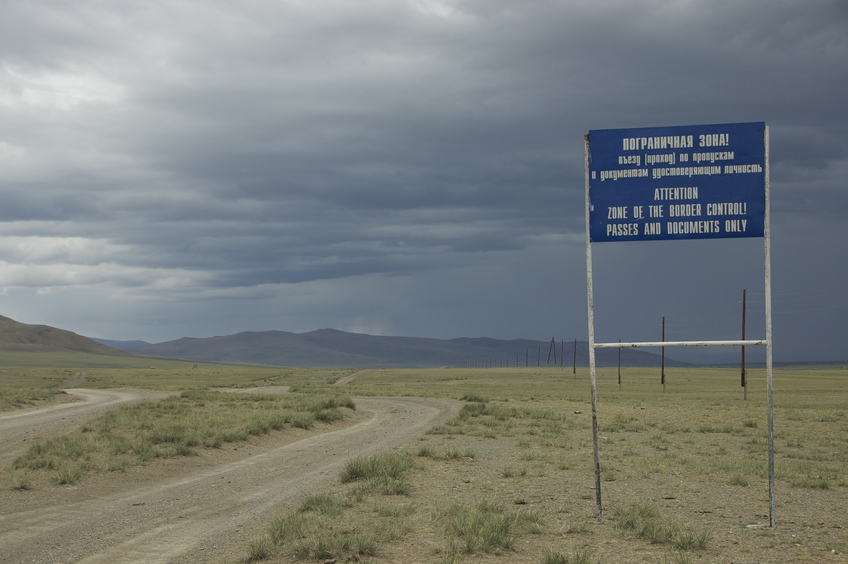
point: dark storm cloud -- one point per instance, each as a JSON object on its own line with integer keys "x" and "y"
{"x": 332, "y": 159}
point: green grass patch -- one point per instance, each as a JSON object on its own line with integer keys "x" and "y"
{"x": 174, "y": 427}
{"x": 16, "y": 398}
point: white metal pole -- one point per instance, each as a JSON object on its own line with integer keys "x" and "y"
{"x": 591, "y": 305}
{"x": 645, "y": 344}
{"x": 769, "y": 341}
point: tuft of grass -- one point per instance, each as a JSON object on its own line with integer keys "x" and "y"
{"x": 577, "y": 556}
{"x": 260, "y": 548}
{"x": 486, "y": 527}
{"x": 69, "y": 475}
{"x": 312, "y": 537}
{"x": 451, "y": 554}
{"x": 631, "y": 517}
{"x": 323, "y": 504}
{"x": 677, "y": 557}
{"x": 510, "y": 472}
{"x": 382, "y": 465}
{"x": 474, "y": 398}
{"x": 117, "y": 464}
{"x": 443, "y": 430}
{"x": 427, "y": 451}
{"x": 482, "y": 528}
{"x": 645, "y": 522}
{"x": 303, "y": 421}
{"x": 387, "y": 485}
{"x": 739, "y": 480}
{"x": 449, "y": 453}
{"x": 688, "y": 539}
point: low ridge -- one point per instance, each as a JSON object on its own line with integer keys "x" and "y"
{"x": 21, "y": 336}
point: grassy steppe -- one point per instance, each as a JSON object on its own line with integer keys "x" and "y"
{"x": 510, "y": 479}
{"x": 684, "y": 471}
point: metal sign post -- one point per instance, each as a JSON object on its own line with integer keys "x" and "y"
{"x": 686, "y": 182}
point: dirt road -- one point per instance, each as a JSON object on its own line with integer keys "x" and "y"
{"x": 207, "y": 516}
{"x": 351, "y": 377}
{"x": 20, "y": 427}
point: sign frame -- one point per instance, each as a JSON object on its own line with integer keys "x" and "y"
{"x": 765, "y": 233}
{"x": 683, "y": 182}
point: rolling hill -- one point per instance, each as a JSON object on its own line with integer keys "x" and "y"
{"x": 21, "y": 337}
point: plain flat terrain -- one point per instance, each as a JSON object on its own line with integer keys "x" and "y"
{"x": 521, "y": 442}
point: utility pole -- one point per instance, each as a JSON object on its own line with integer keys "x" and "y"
{"x": 619, "y": 366}
{"x": 575, "y": 358}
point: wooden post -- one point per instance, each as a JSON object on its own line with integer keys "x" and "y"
{"x": 575, "y": 358}
{"x": 619, "y": 366}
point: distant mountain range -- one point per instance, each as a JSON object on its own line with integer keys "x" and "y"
{"x": 327, "y": 348}
{"x": 333, "y": 348}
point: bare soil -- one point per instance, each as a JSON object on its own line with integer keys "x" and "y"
{"x": 557, "y": 482}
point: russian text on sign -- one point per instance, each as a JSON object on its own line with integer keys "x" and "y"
{"x": 635, "y": 177}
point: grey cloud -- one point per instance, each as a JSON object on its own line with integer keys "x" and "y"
{"x": 388, "y": 148}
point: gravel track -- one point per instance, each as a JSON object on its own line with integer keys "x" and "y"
{"x": 210, "y": 515}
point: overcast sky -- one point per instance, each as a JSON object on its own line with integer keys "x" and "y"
{"x": 405, "y": 167}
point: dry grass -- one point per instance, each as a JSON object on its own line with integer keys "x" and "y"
{"x": 692, "y": 459}
{"x": 521, "y": 449}
{"x": 177, "y": 426}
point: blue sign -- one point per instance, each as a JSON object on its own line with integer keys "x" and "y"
{"x": 688, "y": 182}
